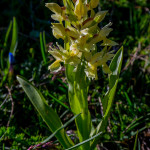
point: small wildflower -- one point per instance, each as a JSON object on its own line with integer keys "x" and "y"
{"x": 82, "y": 34}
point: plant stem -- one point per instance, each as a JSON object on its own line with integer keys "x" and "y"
{"x": 78, "y": 90}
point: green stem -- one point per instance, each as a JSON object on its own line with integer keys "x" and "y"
{"x": 78, "y": 90}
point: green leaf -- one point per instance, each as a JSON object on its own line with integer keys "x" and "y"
{"x": 14, "y": 41}
{"x": 47, "y": 113}
{"x": 107, "y": 102}
{"x": 115, "y": 67}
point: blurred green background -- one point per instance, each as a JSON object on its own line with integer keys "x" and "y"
{"x": 25, "y": 36}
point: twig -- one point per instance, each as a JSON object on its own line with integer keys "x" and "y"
{"x": 109, "y": 128}
{"x": 99, "y": 147}
{"x": 4, "y": 101}
{"x": 134, "y": 57}
{"x": 12, "y": 104}
{"x": 101, "y": 106}
{"x": 129, "y": 125}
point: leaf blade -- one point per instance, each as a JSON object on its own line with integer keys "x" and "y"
{"x": 115, "y": 67}
{"x": 47, "y": 113}
{"x": 14, "y": 41}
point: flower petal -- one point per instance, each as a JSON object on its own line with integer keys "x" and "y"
{"x": 80, "y": 9}
{"x": 57, "y": 17}
{"x": 54, "y": 7}
{"x": 100, "y": 16}
{"x": 58, "y": 30}
{"x": 56, "y": 55}
{"x": 106, "y": 69}
{"x": 55, "y": 67}
{"x": 72, "y": 32}
{"x": 107, "y": 42}
{"x": 91, "y": 72}
{"x": 94, "y": 3}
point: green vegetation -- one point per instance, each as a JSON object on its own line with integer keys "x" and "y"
{"x": 25, "y": 37}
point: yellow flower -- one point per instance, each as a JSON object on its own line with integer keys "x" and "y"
{"x": 72, "y": 57}
{"x": 55, "y": 67}
{"x": 98, "y": 59}
{"x": 59, "y": 12}
{"x": 72, "y": 32}
{"x": 82, "y": 34}
{"x": 58, "y": 30}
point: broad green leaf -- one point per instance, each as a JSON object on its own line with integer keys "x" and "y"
{"x": 14, "y": 41}
{"x": 115, "y": 67}
{"x": 107, "y": 102}
{"x": 47, "y": 113}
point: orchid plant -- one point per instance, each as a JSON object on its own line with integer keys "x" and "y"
{"x": 78, "y": 25}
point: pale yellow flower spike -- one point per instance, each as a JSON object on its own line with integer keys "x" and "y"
{"x": 82, "y": 34}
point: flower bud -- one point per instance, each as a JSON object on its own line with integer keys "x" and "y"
{"x": 58, "y": 30}
{"x": 80, "y": 9}
{"x": 55, "y": 8}
{"x": 94, "y": 3}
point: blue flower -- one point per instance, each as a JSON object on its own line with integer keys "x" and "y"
{"x": 11, "y": 58}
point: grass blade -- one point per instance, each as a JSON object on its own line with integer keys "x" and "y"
{"x": 2, "y": 59}
{"x": 43, "y": 46}
{"x": 5, "y": 45}
{"x": 58, "y": 101}
{"x": 135, "y": 143}
{"x": 65, "y": 125}
{"x": 128, "y": 99}
{"x": 79, "y": 144}
{"x": 7, "y": 34}
{"x": 14, "y": 41}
